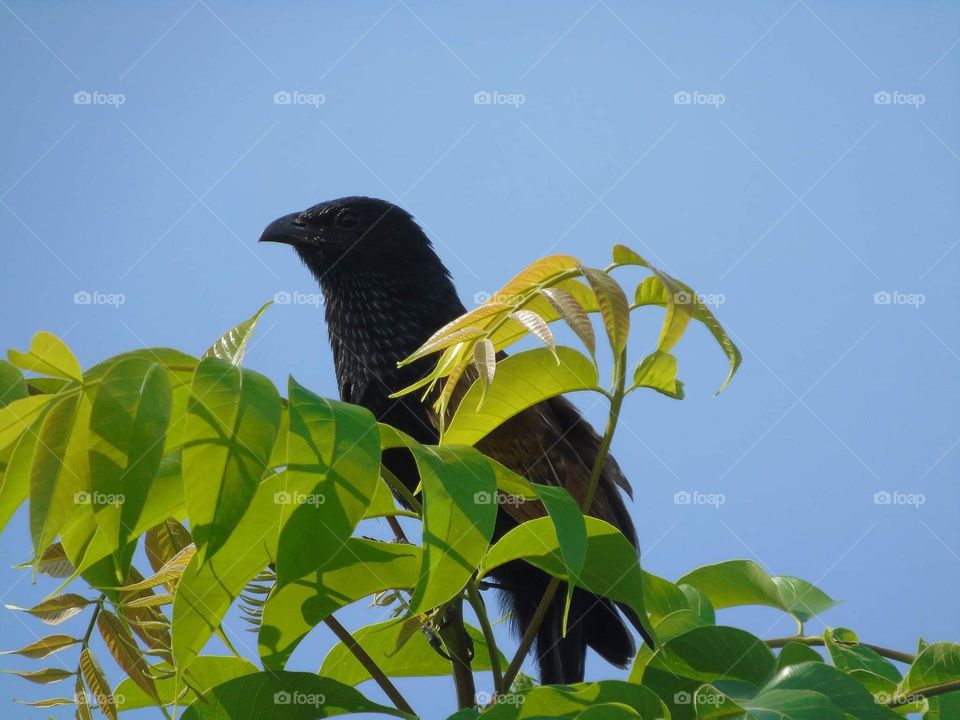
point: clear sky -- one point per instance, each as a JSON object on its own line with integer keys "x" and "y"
{"x": 793, "y": 159}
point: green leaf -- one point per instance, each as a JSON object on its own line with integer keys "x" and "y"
{"x": 614, "y": 307}
{"x": 711, "y": 653}
{"x": 673, "y": 625}
{"x": 843, "y": 691}
{"x": 779, "y": 704}
{"x": 15, "y": 487}
{"x": 937, "y": 664}
{"x": 298, "y": 695}
{"x": 794, "y": 653}
{"x": 743, "y": 582}
{"x": 59, "y": 473}
{"x": 205, "y": 591}
{"x": 48, "y": 355}
{"x": 333, "y": 449}
{"x": 232, "y": 424}
{"x": 13, "y": 386}
{"x": 232, "y": 345}
{"x": 459, "y": 511}
{"x": 611, "y": 568}
{"x": 569, "y": 701}
{"x": 658, "y": 371}
{"x": 19, "y": 415}
{"x": 573, "y": 314}
{"x": 205, "y": 672}
{"x": 344, "y": 575}
{"x": 522, "y": 381}
{"x": 849, "y": 655}
{"x": 571, "y": 532}
{"x": 414, "y": 658}
{"x": 128, "y": 424}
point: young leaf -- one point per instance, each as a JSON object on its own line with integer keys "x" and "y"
{"x": 55, "y": 563}
{"x": 57, "y": 609}
{"x": 169, "y": 573}
{"x": 42, "y": 677}
{"x": 48, "y": 355}
{"x": 44, "y": 646}
{"x": 614, "y": 307}
{"x": 573, "y": 314}
{"x": 83, "y": 703}
{"x": 485, "y": 358}
{"x": 165, "y": 540}
{"x": 658, "y": 371}
{"x": 124, "y": 650}
{"x": 535, "y": 324}
{"x": 232, "y": 345}
{"x": 97, "y": 682}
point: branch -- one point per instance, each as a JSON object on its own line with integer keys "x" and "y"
{"x": 923, "y": 694}
{"x": 619, "y": 379}
{"x": 816, "y": 640}
{"x": 369, "y": 664}
{"x": 476, "y": 601}
{"x": 460, "y": 648}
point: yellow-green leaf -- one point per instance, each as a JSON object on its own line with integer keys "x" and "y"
{"x": 614, "y": 307}
{"x": 48, "y": 355}
{"x": 658, "y": 371}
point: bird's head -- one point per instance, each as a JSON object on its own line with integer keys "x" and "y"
{"x": 355, "y": 236}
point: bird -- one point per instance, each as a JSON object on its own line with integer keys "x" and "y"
{"x": 386, "y": 291}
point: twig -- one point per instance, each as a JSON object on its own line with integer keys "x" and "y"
{"x": 816, "y": 640}
{"x": 369, "y": 664}
{"x": 476, "y": 601}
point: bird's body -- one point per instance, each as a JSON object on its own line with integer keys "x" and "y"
{"x": 386, "y": 292}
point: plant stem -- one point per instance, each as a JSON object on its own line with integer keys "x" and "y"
{"x": 923, "y": 693}
{"x": 816, "y": 640}
{"x": 460, "y": 648}
{"x": 616, "y": 400}
{"x": 476, "y": 601}
{"x": 398, "y": 487}
{"x": 369, "y": 664}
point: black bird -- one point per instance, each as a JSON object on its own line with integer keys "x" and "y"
{"x": 386, "y": 291}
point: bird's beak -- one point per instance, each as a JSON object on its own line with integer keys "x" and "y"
{"x": 288, "y": 231}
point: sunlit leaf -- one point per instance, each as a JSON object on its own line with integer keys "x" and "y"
{"x": 13, "y": 386}
{"x": 97, "y": 682}
{"x": 48, "y": 355}
{"x": 658, "y": 371}
{"x": 573, "y": 313}
{"x": 42, "y": 677}
{"x": 232, "y": 345}
{"x": 124, "y": 649}
{"x": 57, "y": 609}
{"x": 233, "y": 419}
{"x": 205, "y": 672}
{"x": 522, "y": 381}
{"x": 614, "y": 307}
{"x": 44, "y": 646}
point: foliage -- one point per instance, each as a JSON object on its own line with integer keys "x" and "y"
{"x": 235, "y": 496}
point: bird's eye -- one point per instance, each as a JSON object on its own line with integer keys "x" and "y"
{"x": 347, "y": 219}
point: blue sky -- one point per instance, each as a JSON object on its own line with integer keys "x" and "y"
{"x": 796, "y": 160}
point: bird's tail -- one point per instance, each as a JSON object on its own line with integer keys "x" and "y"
{"x": 593, "y": 622}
